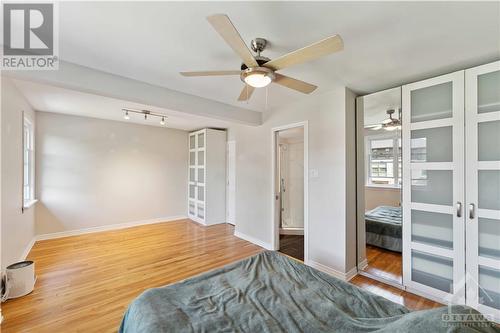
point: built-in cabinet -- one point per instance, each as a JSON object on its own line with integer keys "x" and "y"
{"x": 451, "y": 187}
{"x": 207, "y": 176}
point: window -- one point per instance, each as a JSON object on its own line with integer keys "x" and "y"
{"x": 28, "y": 164}
{"x": 383, "y": 161}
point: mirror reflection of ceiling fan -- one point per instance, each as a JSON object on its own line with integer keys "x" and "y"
{"x": 389, "y": 124}
{"x": 258, "y": 71}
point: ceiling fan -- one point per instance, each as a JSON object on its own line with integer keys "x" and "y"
{"x": 389, "y": 124}
{"x": 258, "y": 71}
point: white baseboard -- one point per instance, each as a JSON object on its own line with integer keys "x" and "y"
{"x": 254, "y": 240}
{"x": 27, "y": 249}
{"x": 363, "y": 264}
{"x": 292, "y": 231}
{"x": 107, "y": 227}
{"x": 328, "y": 270}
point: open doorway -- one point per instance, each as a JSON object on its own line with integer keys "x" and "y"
{"x": 290, "y": 182}
{"x": 379, "y": 186}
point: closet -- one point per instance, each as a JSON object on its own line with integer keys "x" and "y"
{"x": 207, "y": 176}
{"x": 451, "y": 188}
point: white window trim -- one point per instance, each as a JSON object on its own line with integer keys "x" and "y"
{"x": 29, "y": 202}
{"x": 388, "y": 135}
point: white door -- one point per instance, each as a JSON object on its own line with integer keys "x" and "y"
{"x": 231, "y": 182}
{"x": 192, "y": 177}
{"x": 483, "y": 188}
{"x": 200, "y": 175}
{"x": 433, "y": 193}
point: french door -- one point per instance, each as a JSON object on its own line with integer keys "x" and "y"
{"x": 482, "y": 115}
{"x": 433, "y": 187}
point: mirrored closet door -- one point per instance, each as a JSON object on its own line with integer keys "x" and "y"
{"x": 433, "y": 191}
{"x": 379, "y": 186}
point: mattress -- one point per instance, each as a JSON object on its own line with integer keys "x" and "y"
{"x": 271, "y": 292}
{"x": 383, "y": 227}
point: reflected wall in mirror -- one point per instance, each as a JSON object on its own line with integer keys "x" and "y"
{"x": 379, "y": 184}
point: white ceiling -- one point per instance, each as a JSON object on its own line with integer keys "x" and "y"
{"x": 386, "y": 43}
{"x": 53, "y": 99}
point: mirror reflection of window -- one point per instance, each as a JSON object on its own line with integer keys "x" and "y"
{"x": 384, "y": 161}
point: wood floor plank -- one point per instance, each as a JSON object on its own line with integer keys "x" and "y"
{"x": 86, "y": 282}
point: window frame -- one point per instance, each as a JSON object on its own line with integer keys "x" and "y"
{"x": 396, "y": 139}
{"x": 28, "y": 157}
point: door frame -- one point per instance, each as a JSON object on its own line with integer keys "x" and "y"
{"x": 275, "y": 221}
{"x": 230, "y": 202}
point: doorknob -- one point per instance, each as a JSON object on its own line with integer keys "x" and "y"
{"x": 472, "y": 211}
{"x": 459, "y": 209}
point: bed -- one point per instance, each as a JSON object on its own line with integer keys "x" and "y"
{"x": 383, "y": 227}
{"x": 271, "y": 292}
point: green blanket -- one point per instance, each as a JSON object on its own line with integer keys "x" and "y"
{"x": 270, "y": 292}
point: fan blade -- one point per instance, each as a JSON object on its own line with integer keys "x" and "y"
{"x": 223, "y": 25}
{"x": 246, "y": 93}
{"x": 317, "y": 50}
{"x": 294, "y": 84}
{"x": 210, "y": 73}
{"x": 374, "y": 127}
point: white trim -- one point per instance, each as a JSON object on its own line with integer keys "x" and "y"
{"x": 489, "y": 262}
{"x": 488, "y": 213}
{"x": 333, "y": 272}
{"x": 384, "y": 186}
{"x": 432, "y": 166}
{"x": 431, "y": 124}
{"x": 486, "y": 165}
{"x": 488, "y": 116}
{"x": 253, "y": 240}
{"x": 439, "y": 299}
{"x": 275, "y": 224}
{"x": 432, "y": 208}
{"x": 362, "y": 264}
{"x": 107, "y": 227}
{"x": 381, "y": 279}
{"x": 291, "y": 231}
{"x": 28, "y": 249}
{"x": 30, "y": 204}
{"x": 439, "y": 251}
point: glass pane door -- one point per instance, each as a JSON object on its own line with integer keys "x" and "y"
{"x": 483, "y": 188}
{"x": 433, "y": 198}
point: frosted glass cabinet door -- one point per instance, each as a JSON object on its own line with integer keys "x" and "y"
{"x": 483, "y": 187}
{"x": 433, "y": 196}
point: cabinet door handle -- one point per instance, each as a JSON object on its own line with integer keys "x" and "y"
{"x": 472, "y": 211}
{"x": 459, "y": 209}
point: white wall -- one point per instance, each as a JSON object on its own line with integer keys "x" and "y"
{"x": 381, "y": 196}
{"x": 18, "y": 228}
{"x": 93, "y": 172}
{"x": 329, "y": 155}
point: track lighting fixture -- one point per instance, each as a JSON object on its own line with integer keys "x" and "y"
{"x": 146, "y": 113}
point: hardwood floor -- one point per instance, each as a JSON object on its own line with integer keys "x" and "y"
{"x": 292, "y": 245}
{"x": 384, "y": 263}
{"x": 86, "y": 282}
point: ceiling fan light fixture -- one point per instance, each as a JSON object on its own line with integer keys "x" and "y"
{"x": 257, "y": 77}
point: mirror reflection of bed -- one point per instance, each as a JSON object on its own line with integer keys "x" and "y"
{"x": 380, "y": 207}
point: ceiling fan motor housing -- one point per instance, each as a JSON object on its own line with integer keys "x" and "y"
{"x": 260, "y": 60}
